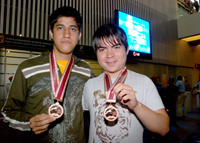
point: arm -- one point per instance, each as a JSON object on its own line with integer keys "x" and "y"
{"x": 196, "y": 86}
{"x": 193, "y": 89}
{"x": 157, "y": 121}
{"x": 13, "y": 110}
{"x": 177, "y": 93}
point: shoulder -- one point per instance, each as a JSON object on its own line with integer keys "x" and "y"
{"x": 82, "y": 68}
{"x": 96, "y": 80}
{"x": 94, "y": 84}
{"x": 81, "y": 63}
{"x": 137, "y": 76}
{"x": 35, "y": 61}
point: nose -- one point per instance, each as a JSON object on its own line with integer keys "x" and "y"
{"x": 66, "y": 33}
{"x": 110, "y": 53}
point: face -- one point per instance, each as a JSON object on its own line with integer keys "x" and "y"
{"x": 65, "y": 36}
{"x": 154, "y": 80}
{"x": 170, "y": 81}
{"x": 112, "y": 58}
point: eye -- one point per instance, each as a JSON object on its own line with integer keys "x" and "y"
{"x": 117, "y": 47}
{"x": 101, "y": 49}
{"x": 59, "y": 28}
{"x": 73, "y": 29}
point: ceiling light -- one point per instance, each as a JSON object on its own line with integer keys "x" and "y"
{"x": 192, "y": 38}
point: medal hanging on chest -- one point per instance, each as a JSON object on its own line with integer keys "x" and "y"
{"x": 58, "y": 87}
{"x": 111, "y": 113}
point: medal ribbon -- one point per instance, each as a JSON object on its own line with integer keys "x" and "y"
{"x": 59, "y": 87}
{"x": 110, "y": 97}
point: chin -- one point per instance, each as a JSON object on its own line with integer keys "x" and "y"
{"x": 66, "y": 52}
{"x": 111, "y": 70}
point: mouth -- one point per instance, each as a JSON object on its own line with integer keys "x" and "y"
{"x": 65, "y": 42}
{"x": 111, "y": 63}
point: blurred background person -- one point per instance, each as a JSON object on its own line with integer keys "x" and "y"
{"x": 187, "y": 86}
{"x": 190, "y": 6}
{"x": 154, "y": 78}
{"x": 196, "y": 5}
{"x": 196, "y": 86}
{"x": 181, "y": 98}
{"x": 197, "y": 92}
{"x": 172, "y": 92}
{"x": 159, "y": 87}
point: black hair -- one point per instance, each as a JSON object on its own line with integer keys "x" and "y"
{"x": 65, "y": 11}
{"x": 172, "y": 78}
{"x": 179, "y": 77}
{"x": 108, "y": 33}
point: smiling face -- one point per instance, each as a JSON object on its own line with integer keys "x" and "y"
{"x": 112, "y": 57}
{"x": 65, "y": 36}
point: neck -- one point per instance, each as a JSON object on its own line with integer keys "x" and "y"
{"x": 62, "y": 56}
{"x": 115, "y": 74}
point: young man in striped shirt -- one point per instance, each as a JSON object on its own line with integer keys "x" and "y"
{"x": 33, "y": 92}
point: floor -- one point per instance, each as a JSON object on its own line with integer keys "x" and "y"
{"x": 184, "y": 127}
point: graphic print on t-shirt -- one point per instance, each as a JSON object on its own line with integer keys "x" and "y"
{"x": 105, "y": 131}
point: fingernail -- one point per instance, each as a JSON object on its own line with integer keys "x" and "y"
{"x": 53, "y": 117}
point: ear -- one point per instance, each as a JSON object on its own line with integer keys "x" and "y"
{"x": 51, "y": 34}
{"x": 79, "y": 36}
{"x": 127, "y": 51}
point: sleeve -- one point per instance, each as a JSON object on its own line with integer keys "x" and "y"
{"x": 13, "y": 109}
{"x": 177, "y": 84}
{"x": 84, "y": 97}
{"x": 197, "y": 85}
{"x": 92, "y": 74}
{"x": 152, "y": 97}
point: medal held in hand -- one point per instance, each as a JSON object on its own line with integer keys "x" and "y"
{"x": 58, "y": 87}
{"x": 56, "y": 110}
{"x": 111, "y": 113}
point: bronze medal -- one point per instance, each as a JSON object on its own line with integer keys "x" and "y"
{"x": 56, "y": 110}
{"x": 110, "y": 113}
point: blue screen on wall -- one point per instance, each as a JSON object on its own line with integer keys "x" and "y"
{"x": 138, "y": 34}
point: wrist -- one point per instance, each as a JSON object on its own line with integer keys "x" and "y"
{"x": 136, "y": 105}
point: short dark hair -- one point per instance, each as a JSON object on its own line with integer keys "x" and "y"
{"x": 107, "y": 33}
{"x": 179, "y": 77}
{"x": 172, "y": 78}
{"x": 65, "y": 11}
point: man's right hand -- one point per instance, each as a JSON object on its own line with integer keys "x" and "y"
{"x": 40, "y": 123}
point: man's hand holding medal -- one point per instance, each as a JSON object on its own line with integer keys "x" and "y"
{"x": 40, "y": 123}
{"x": 126, "y": 95}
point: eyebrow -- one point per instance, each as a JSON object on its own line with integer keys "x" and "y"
{"x": 59, "y": 24}
{"x": 73, "y": 26}
{"x": 112, "y": 46}
{"x": 63, "y": 25}
{"x": 117, "y": 44}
